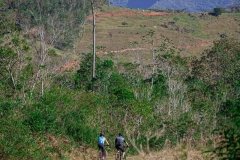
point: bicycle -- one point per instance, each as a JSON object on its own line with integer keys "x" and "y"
{"x": 119, "y": 154}
{"x": 100, "y": 154}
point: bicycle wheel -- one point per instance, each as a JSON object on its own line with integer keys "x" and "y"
{"x": 99, "y": 155}
{"x": 121, "y": 156}
{"x": 125, "y": 156}
{"x": 117, "y": 156}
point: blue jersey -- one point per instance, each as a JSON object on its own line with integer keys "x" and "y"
{"x": 101, "y": 140}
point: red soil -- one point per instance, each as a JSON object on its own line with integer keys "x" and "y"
{"x": 74, "y": 63}
{"x": 69, "y": 65}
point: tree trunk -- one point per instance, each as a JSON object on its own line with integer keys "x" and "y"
{"x": 94, "y": 40}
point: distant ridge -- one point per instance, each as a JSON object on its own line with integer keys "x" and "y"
{"x": 187, "y": 5}
{"x": 122, "y": 3}
{"x": 143, "y": 4}
{"x": 193, "y": 5}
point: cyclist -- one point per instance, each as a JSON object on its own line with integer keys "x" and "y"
{"x": 101, "y": 140}
{"x": 119, "y": 144}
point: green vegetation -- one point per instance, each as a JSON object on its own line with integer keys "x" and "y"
{"x": 217, "y": 11}
{"x": 173, "y": 99}
{"x": 57, "y": 22}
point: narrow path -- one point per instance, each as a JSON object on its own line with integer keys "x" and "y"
{"x": 76, "y": 62}
{"x": 146, "y": 14}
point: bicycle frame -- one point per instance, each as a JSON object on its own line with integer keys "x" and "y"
{"x": 100, "y": 153}
{"x": 119, "y": 154}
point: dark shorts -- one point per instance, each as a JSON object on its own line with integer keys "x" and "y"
{"x": 101, "y": 147}
{"x": 120, "y": 148}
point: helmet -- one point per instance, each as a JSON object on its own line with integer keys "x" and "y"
{"x": 120, "y": 134}
{"x": 101, "y": 134}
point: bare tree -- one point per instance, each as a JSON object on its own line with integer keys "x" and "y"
{"x": 138, "y": 125}
{"x": 95, "y": 4}
{"x": 50, "y": 26}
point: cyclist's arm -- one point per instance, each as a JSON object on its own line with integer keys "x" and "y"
{"x": 106, "y": 142}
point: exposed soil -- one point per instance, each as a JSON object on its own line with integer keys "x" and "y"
{"x": 146, "y": 14}
{"x": 68, "y": 66}
{"x": 75, "y": 63}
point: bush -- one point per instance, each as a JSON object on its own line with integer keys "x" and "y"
{"x": 229, "y": 146}
{"x": 124, "y": 23}
{"x": 16, "y": 141}
{"x": 218, "y": 11}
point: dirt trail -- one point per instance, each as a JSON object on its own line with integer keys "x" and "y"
{"x": 146, "y": 14}
{"x": 199, "y": 44}
{"x": 165, "y": 154}
{"x": 75, "y": 63}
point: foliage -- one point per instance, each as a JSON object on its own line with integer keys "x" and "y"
{"x": 83, "y": 79}
{"x": 218, "y": 11}
{"x": 15, "y": 65}
{"x": 218, "y": 69}
{"x": 216, "y": 85}
{"x": 124, "y": 23}
{"x": 229, "y": 145}
{"x": 170, "y": 100}
{"x": 16, "y": 138}
{"x": 61, "y": 21}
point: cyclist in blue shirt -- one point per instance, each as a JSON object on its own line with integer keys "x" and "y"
{"x": 101, "y": 140}
{"x": 119, "y": 143}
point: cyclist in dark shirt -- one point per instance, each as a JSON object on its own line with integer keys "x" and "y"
{"x": 119, "y": 143}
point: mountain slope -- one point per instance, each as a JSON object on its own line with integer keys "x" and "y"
{"x": 188, "y": 5}
{"x": 140, "y": 3}
{"x": 191, "y": 5}
{"x": 117, "y": 27}
{"x": 122, "y": 3}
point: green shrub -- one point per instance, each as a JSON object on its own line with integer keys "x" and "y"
{"x": 229, "y": 146}
{"x": 16, "y": 140}
{"x": 124, "y": 23}
{"x": 41, "y": 120}
{"x": 218, "y": 11}
{"x": 124, "y": 94}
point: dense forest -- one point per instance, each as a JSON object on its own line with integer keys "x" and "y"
{"x": 174, "y": 100}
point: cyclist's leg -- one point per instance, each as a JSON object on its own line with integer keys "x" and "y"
{"x": 117, "y": 153}
{"x": 123, "y": 154}
{"x": 103, "y": 151}
{"x": 99, "y": 153}
{"x": 123, "y": 150}
{"x": 101, "y": 146}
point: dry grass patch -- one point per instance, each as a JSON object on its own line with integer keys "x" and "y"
{"x": 193, "y": 32}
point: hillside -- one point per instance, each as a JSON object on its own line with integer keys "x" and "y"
{"x": 190, "y": 6}
{"x": 190, "y": 32}
{"x": 168, "y": 81}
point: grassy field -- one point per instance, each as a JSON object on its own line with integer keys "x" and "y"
{"x": 117, "y": 27}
